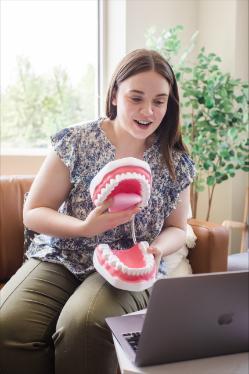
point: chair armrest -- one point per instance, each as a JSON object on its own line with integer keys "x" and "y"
{"x": 234, "y": 224}
{"x": 211, "y": 249}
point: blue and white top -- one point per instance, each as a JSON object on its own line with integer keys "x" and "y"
{"x": 85, "y": 149}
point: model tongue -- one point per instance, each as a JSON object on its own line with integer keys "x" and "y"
{"x": 123, "y": 201}
{"x": 133, "y": 257}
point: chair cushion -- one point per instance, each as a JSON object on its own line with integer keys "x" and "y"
{"x": 238, "y": 261}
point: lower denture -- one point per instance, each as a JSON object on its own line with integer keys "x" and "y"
{"x": 133, "y": 258}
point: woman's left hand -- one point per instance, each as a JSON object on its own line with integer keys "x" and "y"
{"x": 156, "y": 253}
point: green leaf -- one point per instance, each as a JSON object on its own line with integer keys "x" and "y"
{"x": 200, "y": 188}
{"x": 231, "y": 173}
{"x": 211, "y": 180}
{"x": 225, "y": 153}
{"x": 232, "y": 133}
{"x": 212, "y": 156}
{"x": 209, "y": 102}
{"x": 230, "y": 167}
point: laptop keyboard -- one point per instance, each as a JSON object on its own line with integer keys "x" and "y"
{"x": 132, "y": 338}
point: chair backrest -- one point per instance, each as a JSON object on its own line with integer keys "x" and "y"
{"x": 12, "y": 190}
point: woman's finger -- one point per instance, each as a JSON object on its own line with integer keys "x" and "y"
{"x": 157, "y": 254}
{"x": 103, "y": 207}
{"x": 126, "y": 214}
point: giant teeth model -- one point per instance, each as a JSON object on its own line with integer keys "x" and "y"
{"x": 130, "y": 269}
{"x": 128, "y": 182}
{"x": 128, "y": 176}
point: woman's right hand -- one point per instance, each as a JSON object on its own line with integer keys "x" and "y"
{"x": 100, "y": 219}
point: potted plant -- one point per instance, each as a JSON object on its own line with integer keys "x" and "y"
{"x": 214, "y": 109}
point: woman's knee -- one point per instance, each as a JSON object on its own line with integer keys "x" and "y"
{"x": 30, "y": 306}
{"x": 33, "y": 298}
{"x": 91, "y": 302}
{"x": 15, "y": 306}
{"x": 82, "y": 333}
{"x": 24, "y": 345}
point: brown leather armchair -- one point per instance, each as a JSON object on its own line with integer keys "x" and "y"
{"x": 209, "y": 254}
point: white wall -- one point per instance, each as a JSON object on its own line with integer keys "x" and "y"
{"x": 163, "y": 14}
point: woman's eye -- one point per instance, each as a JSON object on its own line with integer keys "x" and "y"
{"x": 136, "y": 99}
{"x": 159, "y": 102}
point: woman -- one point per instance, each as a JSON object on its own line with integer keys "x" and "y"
{"x": 54, "y": 307}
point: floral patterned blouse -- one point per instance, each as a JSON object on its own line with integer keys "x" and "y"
{"x": 85, "y": 149}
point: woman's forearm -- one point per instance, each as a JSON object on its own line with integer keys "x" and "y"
{"x": 50, "y": 222}
{"x": 170, "y": 240}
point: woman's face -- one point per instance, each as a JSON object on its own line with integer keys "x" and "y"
{"x": 141, "y": 102}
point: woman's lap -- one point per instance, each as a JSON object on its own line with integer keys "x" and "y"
{"x": 41, "y": 293}
{"x": 92, "y": 302}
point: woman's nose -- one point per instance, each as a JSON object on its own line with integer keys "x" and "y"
{"x": 147, "y": 109}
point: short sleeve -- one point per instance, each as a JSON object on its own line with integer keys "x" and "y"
{"x": 185, "y": 172}
{"x": 66, "y": 145}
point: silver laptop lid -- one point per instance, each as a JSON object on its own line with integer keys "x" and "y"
{"x": 195, "y": 316}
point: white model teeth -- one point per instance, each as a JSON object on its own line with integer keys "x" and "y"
{"x": 113, "y": 165}
{"x": 110, "y": 186}
{"x": 114, "y": 261}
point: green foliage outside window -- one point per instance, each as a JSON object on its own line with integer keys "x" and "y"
{"x": 214, "y": 112}
{"x": 36, "y": 106}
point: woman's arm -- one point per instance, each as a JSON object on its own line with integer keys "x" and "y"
{"x": 49, "y": 190}
{"x": 173, "y": 235}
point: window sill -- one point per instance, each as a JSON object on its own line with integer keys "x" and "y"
{"x": 32, "y": 152}
{"x": 21, "y": 162}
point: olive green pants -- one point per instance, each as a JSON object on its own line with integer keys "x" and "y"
{"x": 52, "y": 323}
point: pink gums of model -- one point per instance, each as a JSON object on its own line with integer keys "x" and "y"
{"x": 127, "y": 182}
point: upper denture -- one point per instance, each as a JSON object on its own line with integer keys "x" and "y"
{"x": 128, "y": 175}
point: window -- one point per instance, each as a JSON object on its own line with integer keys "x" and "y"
{"x": 49, "y": 68}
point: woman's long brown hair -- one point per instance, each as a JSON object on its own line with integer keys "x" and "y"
{"x": 138, "y": 61}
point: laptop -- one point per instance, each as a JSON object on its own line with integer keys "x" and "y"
{"x": 187, "y": 318}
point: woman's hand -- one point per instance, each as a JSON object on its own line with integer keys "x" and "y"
{"x": 100, "y": 220}
{"x": 157, "y": 253}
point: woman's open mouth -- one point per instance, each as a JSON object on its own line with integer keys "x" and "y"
{"x": 142, "y": 124}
